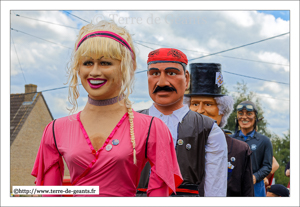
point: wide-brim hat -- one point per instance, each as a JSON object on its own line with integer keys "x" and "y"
{"x": 206, "y": 79}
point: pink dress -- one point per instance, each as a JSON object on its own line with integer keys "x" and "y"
{"x": 113, "y": 171}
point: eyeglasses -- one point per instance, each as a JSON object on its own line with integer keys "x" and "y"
{"x": 249, "y": 114}
{"x": 248, "y": 107}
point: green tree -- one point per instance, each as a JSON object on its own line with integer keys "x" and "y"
{"x": 242, "y": 93}
{"x": 281, "y": 152}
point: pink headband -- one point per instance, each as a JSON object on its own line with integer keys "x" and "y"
{"x": 107, "y": 34}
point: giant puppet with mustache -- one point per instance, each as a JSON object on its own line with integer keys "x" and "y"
{"x": 199, "y": 142}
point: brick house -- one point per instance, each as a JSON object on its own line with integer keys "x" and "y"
{"x": 29, "y": 115}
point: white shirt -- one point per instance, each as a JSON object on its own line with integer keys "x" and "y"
{"x": 215, "y": 151}
{"x": 171, "y": 120}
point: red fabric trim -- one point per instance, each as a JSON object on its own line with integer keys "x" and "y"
{"x": 181, "y": 190}
{"x": 142, "y": 189}
{"x": 271, "y": 179}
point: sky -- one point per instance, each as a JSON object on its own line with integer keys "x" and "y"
{"x": 39, "y": 52}
{"x": 41, "y": 49}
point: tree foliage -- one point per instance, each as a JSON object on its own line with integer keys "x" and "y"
{"x": 242, "y": 93}
{"x": 281, "y": 152}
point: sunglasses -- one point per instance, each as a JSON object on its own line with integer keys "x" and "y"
{"x": 248, "y": 107}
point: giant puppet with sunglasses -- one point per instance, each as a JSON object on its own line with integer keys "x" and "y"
{"x": 261, "y": 146}
{"x": 105, "y": 144}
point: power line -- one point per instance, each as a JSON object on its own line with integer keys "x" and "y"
{"x": 204, "y": 53}
{"x": 154, "y": 43}
{"x": 144, "y": 45}
{"x": 157, "y": 44}
{"x": 140, "y": 71}
{"x": 18, "y": 59}
{"x": 150, "y": 48}
{"x": 53, "y": 89}
{"x": 236, "y": 74}
{"x": 240, "y": 46}
{"x": 254, "y": 77}
{"x": 76, "y": 16}
{"x": 18, "y": 15}
{"x": 186, "y": 49}
{"x": 40, "y": 38}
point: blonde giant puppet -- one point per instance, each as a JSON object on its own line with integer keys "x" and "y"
{"x": 107, "y": 143}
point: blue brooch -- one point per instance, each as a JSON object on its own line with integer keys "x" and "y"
{"x": 115, "y": 142}
{"x": 188, "y": 146}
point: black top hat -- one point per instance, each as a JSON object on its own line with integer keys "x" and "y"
{"x": 204, "y": 80}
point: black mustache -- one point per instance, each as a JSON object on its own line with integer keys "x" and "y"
{"x": 164, "y": 88}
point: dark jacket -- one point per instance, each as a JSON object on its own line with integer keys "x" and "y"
{"x": 262, "y": 154}
{"x": 194, "y": 130}
{"x": 240, "y": 180}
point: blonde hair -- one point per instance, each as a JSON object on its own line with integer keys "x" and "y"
{"x": 109, "y": 48}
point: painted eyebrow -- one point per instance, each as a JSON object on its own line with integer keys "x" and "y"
{"x": 168, "y": 68}
{"x": 172, "y": 68}
{"x": 153, "y": 69}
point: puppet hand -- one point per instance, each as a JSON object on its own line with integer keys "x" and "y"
{"x": 254, "y": 179}
{"x": 287, "y": 173}
{"x": 266, "y": 181}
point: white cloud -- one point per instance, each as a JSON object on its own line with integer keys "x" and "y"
{"x": 213, "y": 43}
{"x": 274, "y": 57}
{"x": 60, "y": 105}
{"x": 159, "y": 38}
{"x": 142, "y": 105}
{"x": 240, "y": 18}
{"x": 281, "y": 91}
{"x": 274, "y": 105}
{"x": 271, "y": 26}
{"x": 44, "y": 63}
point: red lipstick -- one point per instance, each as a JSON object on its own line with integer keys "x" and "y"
{"x": 96, "y": 82}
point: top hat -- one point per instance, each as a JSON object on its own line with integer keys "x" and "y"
{"x": 206, "y": 79}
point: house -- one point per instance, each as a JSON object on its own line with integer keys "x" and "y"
{"x": 29, "y": 115}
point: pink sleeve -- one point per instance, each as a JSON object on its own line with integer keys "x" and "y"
{"x": 157, "y": 187}
{"x": 162, "y": 158}
{"x": 46, "y": 158}
{"x": 52, "y": 177}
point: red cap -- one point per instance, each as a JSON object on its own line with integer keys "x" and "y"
{"x": 167, "y": 54}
